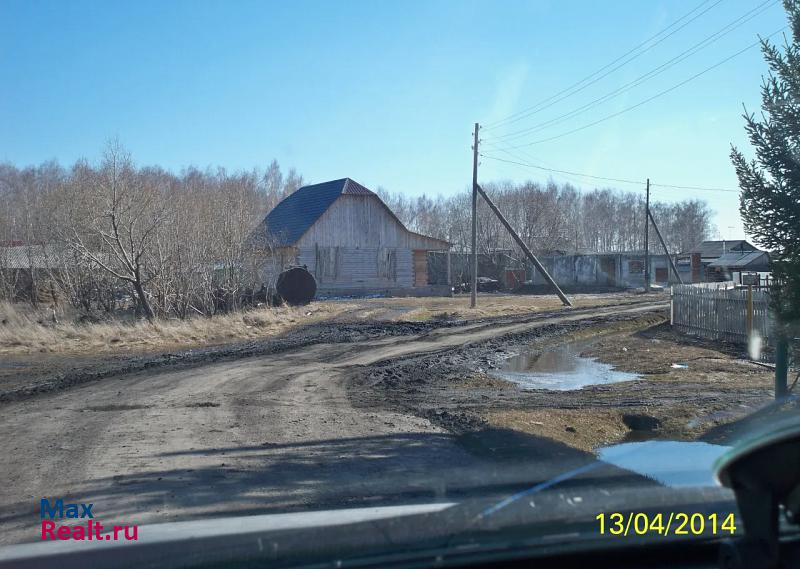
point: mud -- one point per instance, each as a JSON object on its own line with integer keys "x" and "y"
{"x": 25, "y": 376}
{"x": 458, "y": 389}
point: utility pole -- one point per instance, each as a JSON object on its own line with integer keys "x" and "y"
{"x": 647, "y": 239}
{"x": 473, "y": 289}
{"x": 475, "y": 190}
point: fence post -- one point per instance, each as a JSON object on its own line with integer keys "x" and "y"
{"x": 781, "y": 365}
{"x": 672, "y": 306}
{"x": 749, "y": 313}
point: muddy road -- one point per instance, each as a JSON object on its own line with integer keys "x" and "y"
{"x": 345, "y": 415}
{"x": 671, "y": 386}
{"x": 285, "y": 430}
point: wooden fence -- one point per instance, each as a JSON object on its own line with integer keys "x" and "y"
{"x": 719, "y": 311}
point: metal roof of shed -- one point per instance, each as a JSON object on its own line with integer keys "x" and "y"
{"x": 718, "y": 248}
{"x": 753, "y": 260}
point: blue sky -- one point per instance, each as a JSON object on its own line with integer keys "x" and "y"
{"x": 383, "y": 92}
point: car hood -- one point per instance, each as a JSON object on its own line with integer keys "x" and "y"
{"x": 562, "y": 509}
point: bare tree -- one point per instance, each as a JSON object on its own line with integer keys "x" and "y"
{"x": 114, "y": 218}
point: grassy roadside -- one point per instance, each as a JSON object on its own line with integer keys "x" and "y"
{"x": 26, "y": 331}
{"x": 715, "y": 388}
{"x": 489, "y": 305}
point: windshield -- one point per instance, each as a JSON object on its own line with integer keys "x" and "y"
{"x": 282, "y": 258}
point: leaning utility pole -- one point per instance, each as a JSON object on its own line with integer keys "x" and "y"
{"x": 647, "y": 239}
{"x": 524, "y": 248}
{"x": 477, "y": 189}
{"x": 666, "y": 251}
{"x": 473, "y": 289}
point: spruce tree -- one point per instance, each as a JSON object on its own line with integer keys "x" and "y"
{"x": 769, "y": 201}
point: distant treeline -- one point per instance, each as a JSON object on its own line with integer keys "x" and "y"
{"x": 552, "y": 217}
{"x": 114, "y": 234}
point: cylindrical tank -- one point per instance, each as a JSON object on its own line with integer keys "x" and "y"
{"x": 296, "y": 286}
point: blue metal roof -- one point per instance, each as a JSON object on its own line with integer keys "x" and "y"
{"x": 293, "y": 216}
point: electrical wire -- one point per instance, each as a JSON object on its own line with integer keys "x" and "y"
{"x": 556, "y": 170}
{"x": 527, "y": 157}
{"x": 571, "y": 90}
{"x": 649, "y": 99}
{"x": 706, "y": 42}
{"x": 608, "y": 179}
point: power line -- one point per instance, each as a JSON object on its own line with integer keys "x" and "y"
{"x": 698, "y": 188}
{"x": 709, "y": 40}
{"x": 519, "y": 115}
{"x": 528, "y": 156}
{"x": 556, "y": 170}
{"x": 571, "y": 90}
{"x": 567, "y": 172}
{"x": 607, "y": 179}
{"x": 645, "y": 101}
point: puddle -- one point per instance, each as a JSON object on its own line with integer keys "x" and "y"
{"x": 560, "y": 369}
{"x": 673, "y": 463}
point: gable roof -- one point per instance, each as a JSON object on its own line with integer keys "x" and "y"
{"x": 296, "y": 213}
{"x": 718, "y": 248}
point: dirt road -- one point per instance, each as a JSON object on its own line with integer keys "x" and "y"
{"x": 268, "y": 433}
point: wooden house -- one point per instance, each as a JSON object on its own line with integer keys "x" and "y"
{"x": 349, "y": 240}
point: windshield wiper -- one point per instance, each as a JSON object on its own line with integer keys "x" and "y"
{"x": 538, "y": 488}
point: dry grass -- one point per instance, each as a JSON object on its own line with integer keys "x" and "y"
{"x": 488, "y": 305}
{"x": 25, "y": 331}
{"x": 584, "y": 429}
{"x": 649, "y": 353}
